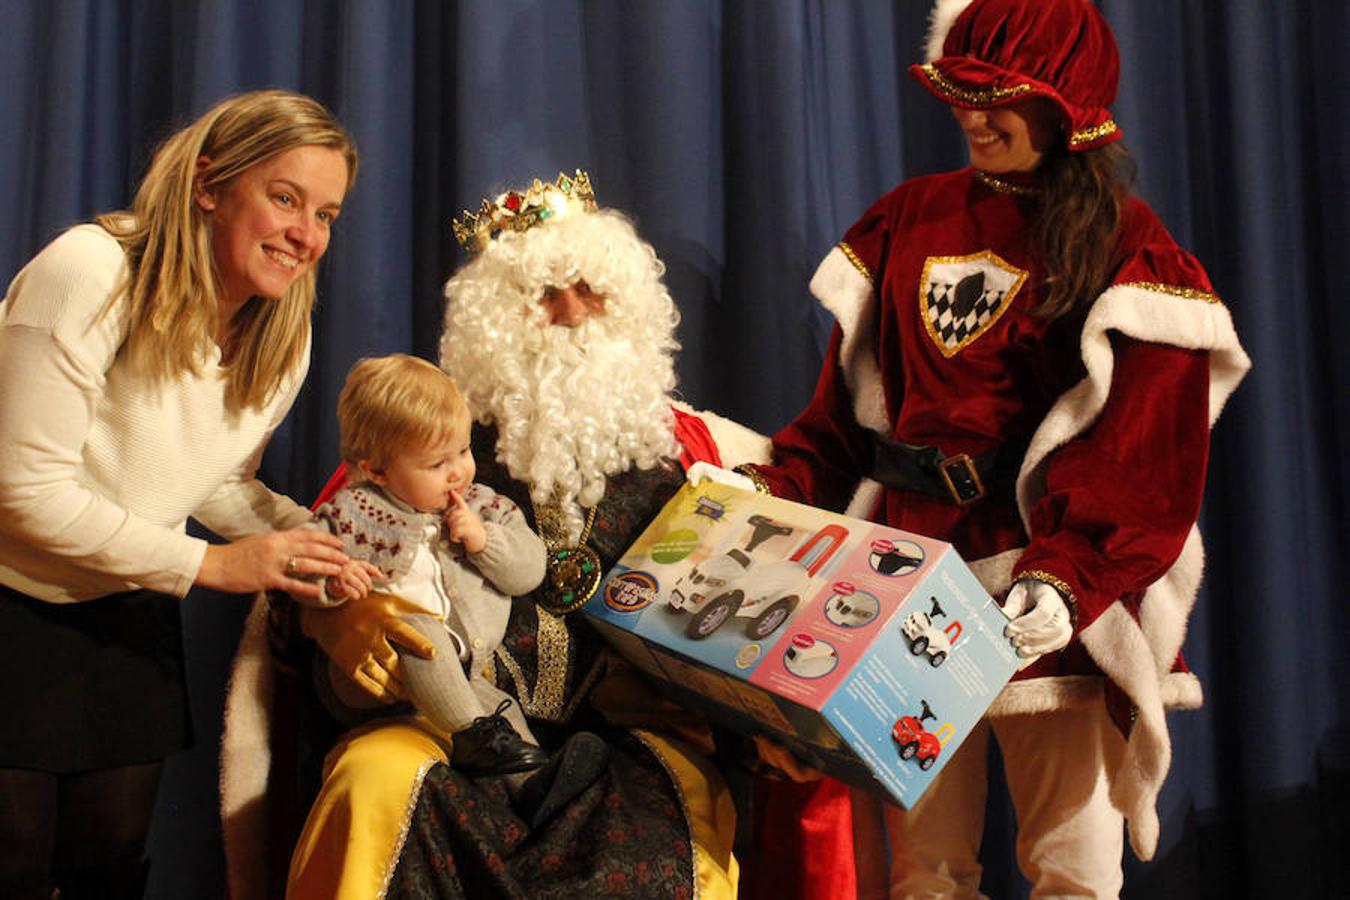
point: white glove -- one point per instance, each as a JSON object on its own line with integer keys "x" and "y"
{"x": 1041, "y": 622}
{"x": 703, "y": 471}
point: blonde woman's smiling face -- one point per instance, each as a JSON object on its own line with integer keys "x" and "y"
{"x": 271, "y": 224}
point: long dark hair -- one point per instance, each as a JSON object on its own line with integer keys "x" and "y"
{"x": 1083, "y": 196}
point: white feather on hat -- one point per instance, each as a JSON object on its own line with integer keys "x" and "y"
{"x": 940, "y": 20}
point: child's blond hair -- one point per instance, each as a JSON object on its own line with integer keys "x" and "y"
{"x": 390, "y": 403}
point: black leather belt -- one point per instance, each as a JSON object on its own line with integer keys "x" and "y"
{"x": 959, "y": 478}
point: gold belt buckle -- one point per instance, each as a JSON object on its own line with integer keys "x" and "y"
{"x": 962, "y": 479}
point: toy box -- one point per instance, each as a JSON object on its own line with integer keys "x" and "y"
{"x": 868, "y": 651}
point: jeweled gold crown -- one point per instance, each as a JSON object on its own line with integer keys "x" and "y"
{"x": 522, "y": 210}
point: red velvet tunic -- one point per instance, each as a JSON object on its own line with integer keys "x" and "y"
{"x": 1120, "y": 496}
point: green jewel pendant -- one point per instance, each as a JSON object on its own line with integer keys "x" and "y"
{"x": 572, "y": 577}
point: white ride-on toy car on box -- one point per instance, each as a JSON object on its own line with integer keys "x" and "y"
{"x": 736, "y": 584}
{"x": 925, "y": 637}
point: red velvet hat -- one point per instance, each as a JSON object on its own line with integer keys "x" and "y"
{"x": 988, "y": 53}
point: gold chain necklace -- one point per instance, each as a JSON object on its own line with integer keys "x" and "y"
{"x": 572, "y": 570}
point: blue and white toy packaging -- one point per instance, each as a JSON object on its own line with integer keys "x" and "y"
{"x": 869, "y": 651}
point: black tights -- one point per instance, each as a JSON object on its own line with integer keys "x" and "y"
{"x": 84, "y": 833}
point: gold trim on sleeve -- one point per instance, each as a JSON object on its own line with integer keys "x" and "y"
{"x": 855, "y": 259}
{"x": 749, "y": 471}
{"x": 1055, "y": 582}
{"x": 1174, "y": 290}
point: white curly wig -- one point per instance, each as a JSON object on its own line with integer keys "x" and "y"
{"x": 571, "y": 405}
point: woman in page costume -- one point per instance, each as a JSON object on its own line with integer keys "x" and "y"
{"x": 1027, "y": 365}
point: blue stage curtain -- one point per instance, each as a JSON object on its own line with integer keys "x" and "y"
{"x": 743, "y": 138}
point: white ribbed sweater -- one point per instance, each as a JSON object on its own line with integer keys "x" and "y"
{"x": 100, "y": 469}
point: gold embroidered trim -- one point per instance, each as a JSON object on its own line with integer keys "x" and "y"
{"x": 551, "y": 650}
{"x": 994, "y": 183}
{"x": 853, "y": 258}
{"x": 749, "y": 471}
{"x": 1186, "y": 293}
{"x": 405, "y": 823}
{"x": 1055, "y": 582}
{"x": 967, "y": 95}
{"x": 1088, "y": 135}
{"x": 523, "y": 693}
{"x": 684, "y": 804}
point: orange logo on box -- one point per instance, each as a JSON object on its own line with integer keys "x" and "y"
{"x": 630, "y": 592}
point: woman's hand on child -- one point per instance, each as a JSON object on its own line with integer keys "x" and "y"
{"x": 463, "y": 526}
{"x": 295, "y": 561}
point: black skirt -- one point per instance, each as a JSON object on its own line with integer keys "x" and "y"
{"x": 91, "y": 685}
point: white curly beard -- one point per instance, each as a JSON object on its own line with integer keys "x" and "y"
{"x": 571, "y": 405}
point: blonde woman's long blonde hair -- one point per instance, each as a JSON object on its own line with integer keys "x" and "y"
{"x": 171, "y": 295}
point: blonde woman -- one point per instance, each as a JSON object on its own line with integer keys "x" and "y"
{"x": 145, "y": 359}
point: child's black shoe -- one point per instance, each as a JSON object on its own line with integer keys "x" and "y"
{"x": 490, "y": 746}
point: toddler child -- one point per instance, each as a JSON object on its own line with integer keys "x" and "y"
{"x": 417, "y": 527}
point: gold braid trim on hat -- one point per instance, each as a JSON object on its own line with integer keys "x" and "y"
{"x": 953, "y": 90}
{"x": 1088, "y": 135}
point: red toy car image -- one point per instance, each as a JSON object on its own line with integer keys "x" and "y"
{"x": 915, "y": 741}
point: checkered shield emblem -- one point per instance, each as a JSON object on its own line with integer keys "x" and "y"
{"x": 961, "y": 297}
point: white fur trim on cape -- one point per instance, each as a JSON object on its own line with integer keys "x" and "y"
{"x": 246, "y": 759}
{"x": 736, "y": 443}
{"x": 940, "y": 20}
{"x": 1137, "y": 656}
{"x": 864, "y": 500}
{"x": 1179, "y": 690}
{"x": 847, "y": 293}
